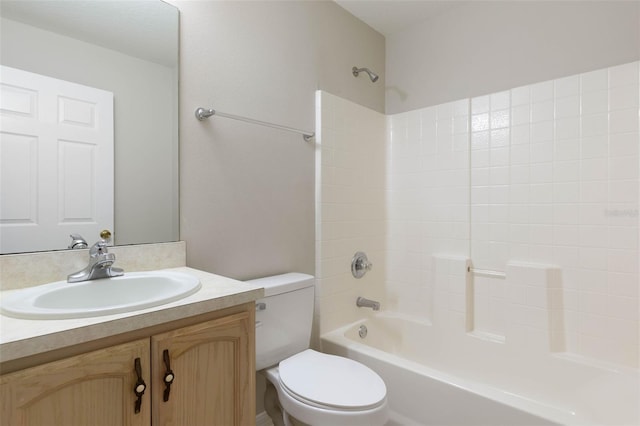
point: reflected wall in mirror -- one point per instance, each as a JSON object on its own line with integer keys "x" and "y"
{"x": 128, "y": 48}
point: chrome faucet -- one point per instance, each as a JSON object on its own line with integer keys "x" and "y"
{"x": 100, "y": 262}
{"x": 361, "y": 302}
{"x": 77, "y": 242}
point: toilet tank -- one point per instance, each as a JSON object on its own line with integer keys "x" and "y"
{"x": 283, "y": 317}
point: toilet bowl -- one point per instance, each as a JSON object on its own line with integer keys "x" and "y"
{"x": 311, "y": 387}
{"x": 321, "y": 389}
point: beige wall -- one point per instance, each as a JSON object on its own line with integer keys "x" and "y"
{"x": 247, "y": 192}
{"x": 484, "y": 47}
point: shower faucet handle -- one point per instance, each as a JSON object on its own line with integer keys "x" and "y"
{"x": 360, "y": 265}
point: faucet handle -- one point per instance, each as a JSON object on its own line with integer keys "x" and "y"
{"x": 77, "y": 242}
{"x": 360, "y": 265}
{"x": 98, "y": 248}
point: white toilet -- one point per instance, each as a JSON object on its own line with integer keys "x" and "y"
{"x": 312, "y": 388}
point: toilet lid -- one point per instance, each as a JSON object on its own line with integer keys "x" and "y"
{"x": 332, "y": 381}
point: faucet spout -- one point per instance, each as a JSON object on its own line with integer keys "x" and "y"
{"x": 361, "y": 302}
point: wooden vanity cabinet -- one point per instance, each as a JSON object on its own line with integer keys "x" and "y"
{"x": 205, "y": 392}
{"x": 212, "y": 364}
{"x": 95, "y": 388}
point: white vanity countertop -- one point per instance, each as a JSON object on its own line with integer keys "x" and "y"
{"x": 20, "y": 338}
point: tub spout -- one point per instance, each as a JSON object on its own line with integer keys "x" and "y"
{"x": 361, "y": 302}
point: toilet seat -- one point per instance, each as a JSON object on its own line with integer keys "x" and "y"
{"x": 310, "y": 392}
{"x": 331, "y": 382}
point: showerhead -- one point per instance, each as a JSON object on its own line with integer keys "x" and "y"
{"x": 372, "y": 75}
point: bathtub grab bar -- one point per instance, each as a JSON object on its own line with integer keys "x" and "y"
{"x": 487, "y": 273}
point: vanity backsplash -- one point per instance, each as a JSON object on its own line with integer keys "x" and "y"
{"x": 30, "y": 269}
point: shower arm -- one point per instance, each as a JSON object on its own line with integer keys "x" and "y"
{"x": 356, "y": 71}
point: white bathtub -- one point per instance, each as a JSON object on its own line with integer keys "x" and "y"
{"x": 435, "y": 378}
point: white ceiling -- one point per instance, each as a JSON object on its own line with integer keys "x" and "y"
{"x": 390, "y": 16}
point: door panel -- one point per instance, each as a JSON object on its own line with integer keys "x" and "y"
{"x": 56, "y": 161}
{"x": 95, "y": 389}
{"x": 214, "y": 373}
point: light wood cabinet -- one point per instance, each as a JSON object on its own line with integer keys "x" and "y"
{"x": 89, "y": 389}
{"x": 213, "y": 367}
{"x": 212, "y": 362}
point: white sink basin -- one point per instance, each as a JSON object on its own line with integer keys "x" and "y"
{"x": 130, "y": 292}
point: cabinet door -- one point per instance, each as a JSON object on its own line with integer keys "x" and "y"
{"x": 96, "y": 388}
{"x": 213, "y": 365}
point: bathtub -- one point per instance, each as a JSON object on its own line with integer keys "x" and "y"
{"x": 436, "y": 378}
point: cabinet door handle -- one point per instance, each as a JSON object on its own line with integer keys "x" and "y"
{"x": 140, "y": 386}
{"x": 168, "y": 375}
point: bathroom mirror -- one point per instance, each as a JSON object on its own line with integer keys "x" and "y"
{"x": 128, "y": 48}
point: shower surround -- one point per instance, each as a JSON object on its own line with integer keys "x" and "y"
{"x": 511, "y": 217}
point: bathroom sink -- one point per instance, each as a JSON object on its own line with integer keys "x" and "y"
{"x": 130, "y": 292}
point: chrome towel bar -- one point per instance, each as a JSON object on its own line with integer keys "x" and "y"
{"x": 202, "y": 113}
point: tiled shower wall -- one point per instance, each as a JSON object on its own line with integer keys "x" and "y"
{"x": 545, "y": 174}
{"x": 350, "y": 208}
{"x": 428, "y": 200}
{"x": 539, "y": 183}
